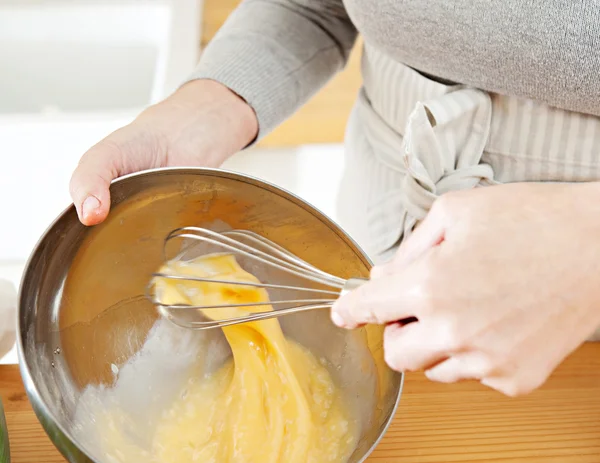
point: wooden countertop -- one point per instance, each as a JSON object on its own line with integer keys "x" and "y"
{"x": 435, "y": 423}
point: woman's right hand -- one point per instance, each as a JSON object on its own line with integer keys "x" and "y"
{"x": 201, "y": 124}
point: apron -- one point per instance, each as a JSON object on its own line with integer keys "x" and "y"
{"x": 411, "y": 139}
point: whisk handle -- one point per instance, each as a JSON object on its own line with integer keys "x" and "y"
{"x": 352, "y": 284}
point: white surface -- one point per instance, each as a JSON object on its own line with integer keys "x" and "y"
{"x": 312, "y": 172}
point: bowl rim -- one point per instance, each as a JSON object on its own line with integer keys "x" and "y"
{"x": 39, "y": 406}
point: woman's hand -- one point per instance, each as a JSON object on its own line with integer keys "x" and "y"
{"x": 201, "y": 124}
{"x": 504, "y": 282}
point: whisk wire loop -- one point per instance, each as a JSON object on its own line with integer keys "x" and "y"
{"x": 277, "y": 257}
{"x": 247, "y": 244}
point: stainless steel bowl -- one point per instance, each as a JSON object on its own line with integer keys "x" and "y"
{"x": 81, "y": 314}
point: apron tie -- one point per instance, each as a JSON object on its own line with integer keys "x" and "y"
{"x": 442, "y": 148}
{"x": 440, "y": 151}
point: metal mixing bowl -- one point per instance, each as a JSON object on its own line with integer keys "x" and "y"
{"x": 81, "y": 316}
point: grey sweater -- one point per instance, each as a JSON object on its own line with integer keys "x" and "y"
{"x": 277, "y": 53}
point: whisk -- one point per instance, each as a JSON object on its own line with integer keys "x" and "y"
{"x": 263, "y": 256}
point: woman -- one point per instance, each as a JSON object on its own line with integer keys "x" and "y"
{"x": 456, "y": 95}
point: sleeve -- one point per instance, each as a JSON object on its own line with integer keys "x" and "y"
{"x": 275, "y": 54}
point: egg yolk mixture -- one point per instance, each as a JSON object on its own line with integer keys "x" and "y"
{"x": 272, "y": 402}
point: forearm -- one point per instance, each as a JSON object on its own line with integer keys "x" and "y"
{"x": 276, "y": 54}
{"x": 225, "y": 107}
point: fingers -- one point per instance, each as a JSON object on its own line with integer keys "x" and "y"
{"x": 386, "y": 299}
{"x": 474, "y": 365}
{"x": 382, "y": 270}
{"x": 410, "y": 347}
{"x": 460, "y": 367}
{"x": 516, "y": 384}
{"x": 91, "y": 180}
{"x": 429, "y": 233}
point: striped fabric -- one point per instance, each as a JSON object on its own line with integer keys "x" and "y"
{"x": 410, "y": 139}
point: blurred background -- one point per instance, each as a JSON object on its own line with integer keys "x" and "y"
{"x": 71, "y": 71}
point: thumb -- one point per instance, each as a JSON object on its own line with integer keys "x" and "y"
{"x": 90, "y": 182}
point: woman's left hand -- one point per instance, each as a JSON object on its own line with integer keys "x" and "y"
{"x": 503, "y": 282}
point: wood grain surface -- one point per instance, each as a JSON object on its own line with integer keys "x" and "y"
{"x": 323, "y": 118}
{"x": 435, "y": 423}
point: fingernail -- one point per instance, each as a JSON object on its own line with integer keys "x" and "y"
{"x": 90, "y": 204}
{"x": 337, "y": 319}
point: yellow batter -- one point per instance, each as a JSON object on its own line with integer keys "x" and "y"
{"x": 274, "y": 402}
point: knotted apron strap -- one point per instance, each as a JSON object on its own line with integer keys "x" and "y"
{"x": 440, "y": 151}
